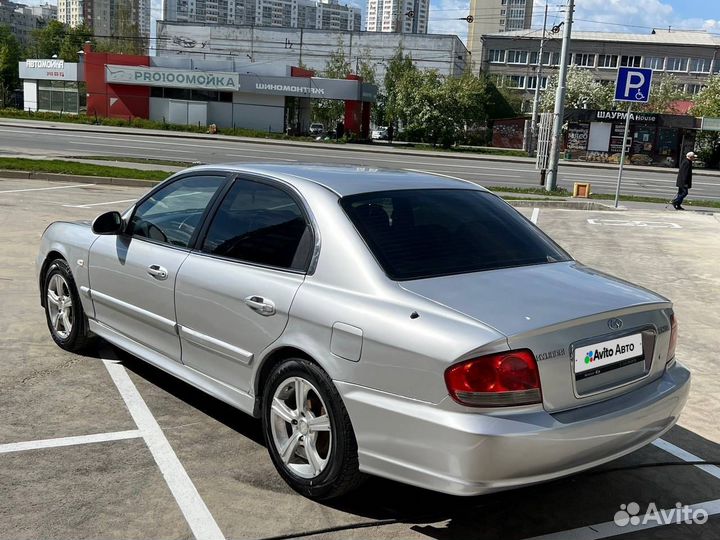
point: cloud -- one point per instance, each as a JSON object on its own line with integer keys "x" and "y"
{"x": 637, "y": 16}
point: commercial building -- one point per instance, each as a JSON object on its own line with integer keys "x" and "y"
{"x": 401, "y": 16}
{"x": 184, "y": 90}
{"x": 512, "y": 57}
{"x": 53, "y": 85}
{"x": 318, "y": 14}
{"x": 653, "y": 139}
{"x": 310, "y": 48}
{"x": 493, "y": 16}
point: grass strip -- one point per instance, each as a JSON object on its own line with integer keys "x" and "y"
{"x": 149, "y": 161}
{"x": 80, "y": 169}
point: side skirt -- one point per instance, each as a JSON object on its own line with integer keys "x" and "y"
{"x": 230, "y": 395}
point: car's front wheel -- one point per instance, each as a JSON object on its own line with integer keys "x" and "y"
{"x": 308, "y": 431}
{"x": 63, "y": 310}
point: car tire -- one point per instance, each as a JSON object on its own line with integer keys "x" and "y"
{"x": 64, "y": 313}
{"x": 312, "y": 445}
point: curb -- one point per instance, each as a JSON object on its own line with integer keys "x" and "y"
{"x": 350, "y": 147}
{"x": 57, "y": 177}
{"x": 565, "y": 204}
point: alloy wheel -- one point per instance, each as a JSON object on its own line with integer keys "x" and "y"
{"x": 300, "y": 427}
{"x": 60, "y": 306}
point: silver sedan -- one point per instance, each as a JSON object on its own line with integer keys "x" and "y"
{"x": 378, "y": 322}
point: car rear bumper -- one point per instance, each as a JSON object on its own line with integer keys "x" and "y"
{"x": 470, "y": 453}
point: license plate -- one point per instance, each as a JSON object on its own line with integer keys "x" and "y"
{"x": 608, "y": 355}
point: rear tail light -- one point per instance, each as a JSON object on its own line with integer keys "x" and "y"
{"x": 673, "y": 337}
{"x": 495, "y": 380}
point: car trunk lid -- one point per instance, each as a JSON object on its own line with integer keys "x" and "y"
{"x": 557, "y": 310}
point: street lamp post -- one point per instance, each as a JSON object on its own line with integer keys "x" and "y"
{"x": 560, "y": 100}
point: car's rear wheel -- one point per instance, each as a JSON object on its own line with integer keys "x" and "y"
{"x": 308, "y": 431}
{"x": 63, "y": 310}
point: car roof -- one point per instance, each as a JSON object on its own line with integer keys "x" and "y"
{"x": 347, "y": 179}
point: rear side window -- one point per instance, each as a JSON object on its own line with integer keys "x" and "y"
{"x": 434, "y": 232}
{"x": 260, "y": 224}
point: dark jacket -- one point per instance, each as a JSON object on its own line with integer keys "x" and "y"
{"x": 684, "y": 177}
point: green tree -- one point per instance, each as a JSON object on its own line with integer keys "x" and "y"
{"x": 707, "y": 104}
{"x": 330, "y": 111}
{"x": 440, "y": 109}
{"x": 583, "y": 91}
{"x": 666, "y": 90}
{"x": 398, "y": 67}
{"x": 48, "y": 40}
{"x": 9, "y": 57}
{"x": 57, "y": 39}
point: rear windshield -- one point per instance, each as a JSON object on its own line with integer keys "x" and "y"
{"x": 435, "y": 232}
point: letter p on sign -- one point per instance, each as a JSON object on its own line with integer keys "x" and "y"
{"x": 633, "y": 84}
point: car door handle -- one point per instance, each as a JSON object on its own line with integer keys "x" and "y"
{"x": 262, "y": 305}
{"x": 157, "y": 271}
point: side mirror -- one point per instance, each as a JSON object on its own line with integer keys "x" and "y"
{"x": 108, "y": 223}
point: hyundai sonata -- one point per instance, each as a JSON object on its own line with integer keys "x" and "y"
{"x": 378, "y": 322}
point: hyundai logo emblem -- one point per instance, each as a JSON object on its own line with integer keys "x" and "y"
{"x": 615, "y": 324}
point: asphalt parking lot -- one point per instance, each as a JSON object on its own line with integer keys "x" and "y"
{"x": 105, "y": 446}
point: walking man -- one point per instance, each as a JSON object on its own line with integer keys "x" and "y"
{"x": 684, "y": 180}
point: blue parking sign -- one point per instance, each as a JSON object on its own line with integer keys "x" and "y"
{"x": 633, "y": 84}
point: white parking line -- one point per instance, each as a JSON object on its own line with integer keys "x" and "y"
{"x": 678, "y": 452}
{"x": 610, "y": 528}
{"x": 69, "y": 441}
{"x": 192, "y": 506}
{"x": 46, "y": 188}
{"x": 98, "y": 203}
{"x": 535, "y": 214}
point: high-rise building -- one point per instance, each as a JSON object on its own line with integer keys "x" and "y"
{"x": 108, "y": 18}
{"x": 493, "y": 16}
{"x": 404, "y": 16}
{"x": 314, "y": 14}
{"x": 21, "y": 20}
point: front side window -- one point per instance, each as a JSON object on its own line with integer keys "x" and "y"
{"x": 260, "y": 224}
{"x": 420, "y": 233}
{"x": 171, "y": 214}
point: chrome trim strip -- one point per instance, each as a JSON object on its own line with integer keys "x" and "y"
{"x": 215, "y": 345}
{"x": 151, "y": 318}
{"x": 85, "y": 291}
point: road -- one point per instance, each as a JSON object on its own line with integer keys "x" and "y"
{"x": 41, "y": 142}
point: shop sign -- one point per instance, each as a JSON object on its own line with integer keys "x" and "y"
{"x": 172, "y": 78}
{"x": 51, "y": 69}
{"x": 619, "y": 116}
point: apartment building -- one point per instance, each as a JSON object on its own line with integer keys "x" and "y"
{"x": 401, "y": 16}
{"x": 316, "y": 14}
{"x": 494, "y": 16}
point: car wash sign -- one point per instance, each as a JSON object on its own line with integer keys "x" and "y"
{"x": 49, "y": 69}
{"x": 172, "y": 78}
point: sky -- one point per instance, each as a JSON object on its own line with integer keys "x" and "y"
{"x": 635, "y": 16}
